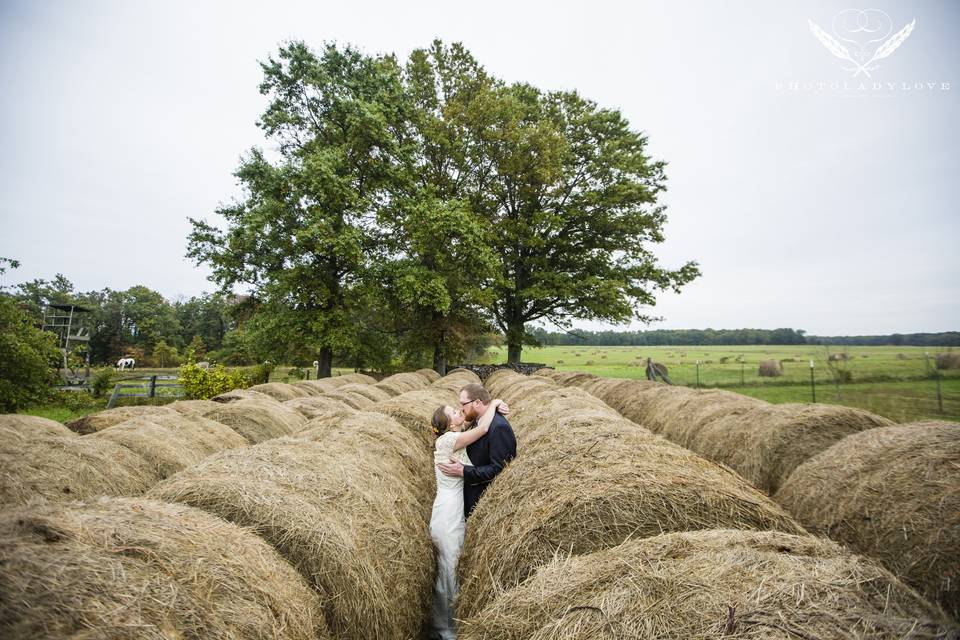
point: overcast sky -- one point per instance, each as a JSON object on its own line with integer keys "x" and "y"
{"x": 818, "y": 206}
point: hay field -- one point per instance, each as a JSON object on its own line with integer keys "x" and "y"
{"x": 889, "y": 381}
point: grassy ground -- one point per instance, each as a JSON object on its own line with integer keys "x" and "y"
{"x": 895, "y": 382}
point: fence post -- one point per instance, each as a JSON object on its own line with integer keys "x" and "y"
{"x": 813, "y": 384}
{"x": 153, "y": 386}
{"x": 698, "y": 374}
{"x": 741, "y": 372}
{"x": 936, "y": 373}
{"x": 113, "y": 396}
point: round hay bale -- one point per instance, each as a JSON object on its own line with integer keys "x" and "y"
{"x": 242, "y": 394}
{"x": 316, "y": 406}
{"x": 680, "y": 413}
{"x": 579, "y": 494}
{"x": 949, "y": 360}
{"x": 341, "y": 517}
{"x": 390, "y": 389}
{"x": 368, "y": 391}
{"x": 171, "y": 443}
{"x": 257, "y": 420}
{"x": 405, "y": 381}
{"x": 16, "y": 425}
{"x": 280, "y": 391}
{"x": 193, "y": 407}
{"x": 356, "y": 378}
{"x": 109, "y": 417}
{"x": 414, "y": 409}
{"x": 64, "y": 468}
{"x": 891, "y": 493}
{"x": 749, "y": 585}
{"x": 352, "y": 399}
{"x": 383, "y": 437}
{"x": 497, "y": 378}
{"x": 766, "y": 443}
{"x": 430, "y": 375}
{"x": 769, "y": 369}
{"x": 125, "y": 568}
{"x": 307, "y": 388}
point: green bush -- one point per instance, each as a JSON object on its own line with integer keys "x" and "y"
{"x": 203, "y": 384}
{"x": 102, "y": 380}
{"x": 72, "y": 400}
{"x": 27, "y": 358}
{"x": 296, "y": 373}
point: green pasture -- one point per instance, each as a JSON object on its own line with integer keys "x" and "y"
{"x": 896, "y": 382}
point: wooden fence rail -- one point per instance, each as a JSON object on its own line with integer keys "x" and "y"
{"x": 151, "y": 389}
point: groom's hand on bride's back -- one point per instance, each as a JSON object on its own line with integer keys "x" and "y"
{"x": 451, "y": 468}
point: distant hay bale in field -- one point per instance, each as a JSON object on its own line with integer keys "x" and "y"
{"x": 949, "y": 360}
{"x": 257, "y": 420}
{"x": 746, "y": 585}
{"x": 431, "y": 375}
{"x": 64, "y": 468}
{"x": 315, "y": 406}
{"x": 836, "y": 357}
{"x": 724, "y": 359}
{"x": 603, "y": 357}
{"x": 242, "y": 394}
{"x": 769, "y": 369}
{"x": 559, "y": 361}
{"x": 767, "y": 442}
{"x": 125, "y": 568}
{"x": 18, "y": 425}
{"x": 900, "y": 356}
{"x": 171, "y": 443}
{"x": 588, "y": 362}
{"x": 348, "y": 522}
{"x": 782, "y": 360}
{"x": 109, "y": 417}
{"x": 893, "y": 494}
{"x": 589, "y": 485}
{"x": 280, "y": 391}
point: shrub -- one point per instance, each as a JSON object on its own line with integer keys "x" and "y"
{"x": 203, "y": 384}
{"x": 102, "y": 381}
{"x": 72, "y": 400}
{"x": 27, "y": 358}
{"x": 296, "y": 373}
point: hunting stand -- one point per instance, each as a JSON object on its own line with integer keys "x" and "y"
{"x": 65, "y": 321}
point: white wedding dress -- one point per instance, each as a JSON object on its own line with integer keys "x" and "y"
{"x": 446, "y": 529}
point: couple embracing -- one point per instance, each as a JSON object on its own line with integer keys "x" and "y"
{"x": 474, "y": 443}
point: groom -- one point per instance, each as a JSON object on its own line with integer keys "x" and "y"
{"x": 489, "y": 454}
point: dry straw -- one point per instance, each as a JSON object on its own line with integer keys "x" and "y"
{"x": 347, "y": 521}
{"x": 256, "y": 420}
{"x": 588, "y": 479}
{"x": 14, "y": 425}
{"x": 64, "y": 468}
{"x": 171, "y": 443}
{"x": 430, "y": 375}
{"x": 414, "y": 409}
{"x": 894, "y": 494}
{"x": 242, "y": 394}
{"x": 765, "y": 444}
{"x": 103, "y": 419}
{"x": 711, "y": 584}
{"x": 315, "y": 406}
{"x": 769, "y": 369}
{"x": 280, "y": 391}
{"x": 124, "y": 568}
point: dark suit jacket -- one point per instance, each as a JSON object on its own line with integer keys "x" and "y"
{"x": 489, "y": 456}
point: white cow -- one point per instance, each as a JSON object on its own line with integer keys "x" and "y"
{"x": 126, "y": 363}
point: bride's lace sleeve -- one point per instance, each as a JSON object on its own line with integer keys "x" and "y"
{"x": 444, "y": 445}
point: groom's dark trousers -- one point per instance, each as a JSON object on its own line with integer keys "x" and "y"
{"x": 489, "y": 456}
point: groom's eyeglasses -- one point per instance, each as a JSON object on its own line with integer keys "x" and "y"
{"x": 463, "y": 404}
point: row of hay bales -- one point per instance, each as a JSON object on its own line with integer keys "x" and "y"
{"x": 763, "y": 442}
{"x": 888, "y": 491}
{"x": 602, "y": 529}
{"x": 319, "y": 533}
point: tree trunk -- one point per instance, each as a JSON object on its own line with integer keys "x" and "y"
{"x": 325, "y": 363}
{"x": 514, "y": 342}
{"x": 439, "y": 358}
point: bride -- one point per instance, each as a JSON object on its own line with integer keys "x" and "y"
{"x": 447, "y": 522}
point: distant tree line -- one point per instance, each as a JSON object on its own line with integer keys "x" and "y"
{"x": 705, "y": 337}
